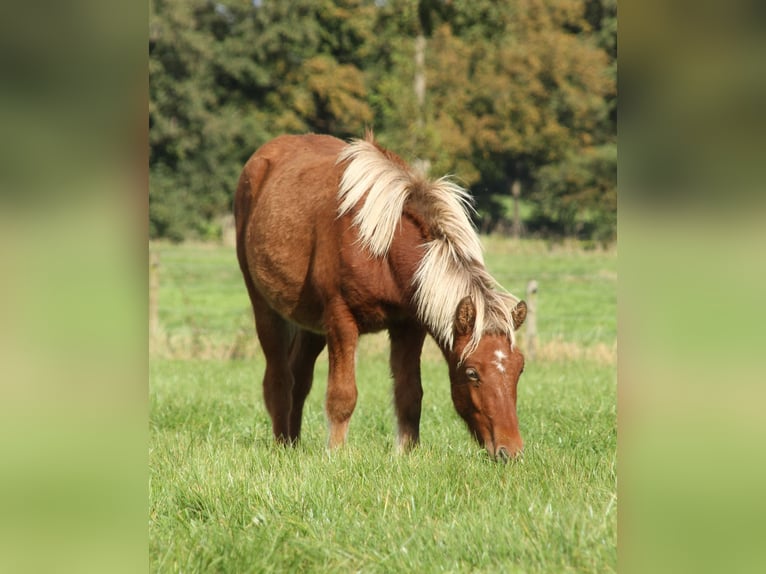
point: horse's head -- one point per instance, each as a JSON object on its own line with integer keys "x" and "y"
{"x": 484, "y": 382}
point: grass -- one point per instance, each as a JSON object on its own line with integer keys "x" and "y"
{"x": 224, "y": 499}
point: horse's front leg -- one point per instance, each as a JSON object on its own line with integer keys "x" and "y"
{"x": 342, "y": 338}
{"x": 406, "y": 346}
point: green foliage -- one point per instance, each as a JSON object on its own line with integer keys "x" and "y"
{"x": 577, "y": 196}
{"x": 514, "y": 91}
{"x": 199, "y": 134}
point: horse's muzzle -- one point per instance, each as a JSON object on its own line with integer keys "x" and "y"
{"x": 505, "y": 453}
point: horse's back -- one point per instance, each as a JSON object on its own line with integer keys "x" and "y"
{"x": 303, "y": 147}
{"x": 286, "y": 207}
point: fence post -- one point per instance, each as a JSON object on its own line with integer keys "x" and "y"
{"x": 531, "y": 322}
{"x": 228, "y": 231}
{"x": 154, "y": 288}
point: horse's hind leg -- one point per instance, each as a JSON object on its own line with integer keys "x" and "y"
{"x": 276, "y": 336}
{"x": 406, "y": 346}
{"x": 305, "y": 350}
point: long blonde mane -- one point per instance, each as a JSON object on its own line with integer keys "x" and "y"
{"x": 452, "y": 266}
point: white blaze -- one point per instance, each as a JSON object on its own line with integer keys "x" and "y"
{"x": 498, "y": 362}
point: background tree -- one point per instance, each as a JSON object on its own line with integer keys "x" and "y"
{"x": 539, "y": 98}
{"x": 199, "y": 125}
{"x": 517, "y": 95}
{"x": 577, "y": 195}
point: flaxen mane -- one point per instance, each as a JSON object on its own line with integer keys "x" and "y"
{"x": 379, "y": 186}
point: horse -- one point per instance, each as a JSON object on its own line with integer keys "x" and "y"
{"x": 338, "y": 239}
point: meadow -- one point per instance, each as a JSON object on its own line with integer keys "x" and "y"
{"x": 223, "y": 498}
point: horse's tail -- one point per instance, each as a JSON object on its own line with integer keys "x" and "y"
{"x": 379, "y": 184}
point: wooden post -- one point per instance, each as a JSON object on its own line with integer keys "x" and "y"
{"x": 420, "y": 78}
{"x": 516, "y": 194}
{"x": 228, "y": 231}
{"x": 154, "y": 288}
{"x": 422, "y": 166}
{"x": 531, "y": 322}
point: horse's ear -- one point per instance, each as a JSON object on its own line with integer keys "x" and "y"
{"x": 465, "y": 316}
{"x": 518, "y": 314}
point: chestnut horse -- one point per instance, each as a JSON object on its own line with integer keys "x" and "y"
{"x": 339, "y": 239}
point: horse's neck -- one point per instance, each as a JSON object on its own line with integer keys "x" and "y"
{"x": 406, "y": 252}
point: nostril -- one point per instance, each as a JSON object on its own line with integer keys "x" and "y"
{"x": 505, "y": 453}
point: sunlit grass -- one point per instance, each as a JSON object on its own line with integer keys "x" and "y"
{"x": 224, "y": 498}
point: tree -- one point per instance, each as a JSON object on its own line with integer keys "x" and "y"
{"x": 515, "y": 96}
{"x": 540, "y": 94}
{"x": 580, "y": 198}
{"x": 225, "y": 79}
{"x": 512, "y": 88}
{"x": 197, "y": 131}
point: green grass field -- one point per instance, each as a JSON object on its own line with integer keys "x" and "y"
{"x": 224, "y": 499}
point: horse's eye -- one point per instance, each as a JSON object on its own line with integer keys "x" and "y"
{"x": 472, "y": 374}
